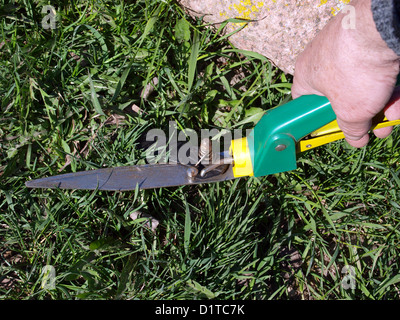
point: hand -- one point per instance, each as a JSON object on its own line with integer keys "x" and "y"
{"x": 355, "y": 70}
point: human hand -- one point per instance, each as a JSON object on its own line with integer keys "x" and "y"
{"x": 355, "y": 70}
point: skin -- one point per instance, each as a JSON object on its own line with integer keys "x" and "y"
{"x": 355, "y": 70}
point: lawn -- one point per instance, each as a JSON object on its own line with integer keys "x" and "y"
{"x": 82, "y": 93}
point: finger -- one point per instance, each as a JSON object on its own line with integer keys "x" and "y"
{"x": 392, "y": 112}
{"x": 383, "y": 132}
{"x": 392, "y": 109}
{"x": 356, "y": 133}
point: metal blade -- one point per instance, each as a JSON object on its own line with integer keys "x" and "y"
{"x": 128, "y": 178}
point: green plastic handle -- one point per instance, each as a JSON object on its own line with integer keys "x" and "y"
{"x": 272, "y": 142}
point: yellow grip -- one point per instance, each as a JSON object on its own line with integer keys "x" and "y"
{"x": 331, "y": 132}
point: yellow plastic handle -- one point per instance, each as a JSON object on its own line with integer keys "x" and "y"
{"x": 331, "y": 132}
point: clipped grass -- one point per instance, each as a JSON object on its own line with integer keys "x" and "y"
{"x": 83, "y": 95}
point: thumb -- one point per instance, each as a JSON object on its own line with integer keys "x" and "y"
{"x": 355, "y": 132}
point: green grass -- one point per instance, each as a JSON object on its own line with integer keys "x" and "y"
{"x": 71, "y": 100}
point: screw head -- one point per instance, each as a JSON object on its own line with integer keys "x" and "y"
{"x": 280, "y": 147}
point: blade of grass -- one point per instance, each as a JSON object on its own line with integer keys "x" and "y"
{"x": 121, "y": 82}
{"x": 187, "y": 229}
{"x": 93, "y": 97}
{"x": 192, "y": 63}
{"x": 150, "y": 24}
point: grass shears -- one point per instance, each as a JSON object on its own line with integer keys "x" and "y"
{"x": 271, "y": 147}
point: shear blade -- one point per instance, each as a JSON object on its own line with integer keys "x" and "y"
{"x": 127, "y": 178}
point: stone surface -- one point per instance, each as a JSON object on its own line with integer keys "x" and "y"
{"x": 277, "y": 29}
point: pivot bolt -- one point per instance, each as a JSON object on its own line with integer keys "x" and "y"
{"x": 280, "y": 147}
{"x": 192, "y": 173}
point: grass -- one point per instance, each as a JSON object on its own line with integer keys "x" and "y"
{"x": 78, "y": 97}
